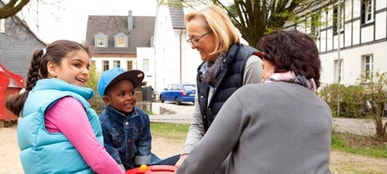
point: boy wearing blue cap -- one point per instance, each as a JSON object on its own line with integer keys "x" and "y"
{"x": 125, "y": 128}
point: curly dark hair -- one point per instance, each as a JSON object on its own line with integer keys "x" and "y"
{"x": 294, "y": 51}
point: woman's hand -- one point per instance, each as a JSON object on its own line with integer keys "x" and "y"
{"x": 181, "y": 160}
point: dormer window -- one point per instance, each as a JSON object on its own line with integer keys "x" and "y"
{"x": 121, "y": 40}
{"x": 100, "y": 40}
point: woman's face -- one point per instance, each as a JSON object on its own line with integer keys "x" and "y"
{"x": 74, "y": 68}
{"x": 201, "y": 39}
{"x": 268, "y": 69}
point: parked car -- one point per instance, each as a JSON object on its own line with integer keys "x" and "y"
{"x": 179, "y": 93}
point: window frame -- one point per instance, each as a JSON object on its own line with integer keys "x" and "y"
{"x": 338, "y": 18}
{"x": 105, "y": 65}
{"x": 367, "y": 11}
{"x": 101, "y": 42}
{"x": 339, "y": 70}
{"x": 315, "y": 20}
{"x": 121, "y": 40}
{"x": 146, "y": 65}
{"x": 367, "y": 65}
{"x": 129, "y": 65}
{"x": 116, "y": 64}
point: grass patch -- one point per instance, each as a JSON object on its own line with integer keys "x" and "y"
{"x": 148, "y": 112}
{"x": 169, "y": 130}
{"x": 367, "y": 146}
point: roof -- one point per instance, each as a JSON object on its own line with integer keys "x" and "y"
{"x": 24, "y": 24}
{"x": 177, "y": 14}
{"x": 140, "y": 36}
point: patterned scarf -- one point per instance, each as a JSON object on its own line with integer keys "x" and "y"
{"x": 291, "y": 77}
{"x": 212, "y": 69}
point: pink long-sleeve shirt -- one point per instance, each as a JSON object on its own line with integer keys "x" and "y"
{"x": 69, "y": 117}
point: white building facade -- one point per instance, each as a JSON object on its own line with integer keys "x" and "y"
{"x": 352, "y": 39}
{"x": 175, "y": 61}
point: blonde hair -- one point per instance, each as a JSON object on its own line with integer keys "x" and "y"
{"x": 219, "y": 24}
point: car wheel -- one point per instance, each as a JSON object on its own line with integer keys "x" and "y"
{"x": 177, "y": 100}
{"x": 161, "y": 99}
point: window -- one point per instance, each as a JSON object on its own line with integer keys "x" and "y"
{"x": 129, "y": 65}
{"x": 146, "y": 65}
{"x": 368, "y": 65}
{"x": 2, "y": 25}
{"x": 121, "y": 40}
{"x": 116, "y": 64}
{"x": 367, "y": 11}
{"x": 105, "y": 65}
{"x": 315, "y": 25}
{"x": 338, "y": 18}
{"x": 339, "y": 70}
{"x": 152, "y": 41}
{"x": 100, "y": 40}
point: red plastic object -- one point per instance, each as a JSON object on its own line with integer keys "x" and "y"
{"x": 10, "y": 84}
{"x": 157, "y": 169}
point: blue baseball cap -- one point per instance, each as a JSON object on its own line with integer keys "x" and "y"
{"x": 112, "y": 76}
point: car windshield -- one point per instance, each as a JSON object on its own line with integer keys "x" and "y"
{"x": 189, "y": 87}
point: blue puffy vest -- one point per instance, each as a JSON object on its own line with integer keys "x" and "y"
{"x": 44, "y": 152}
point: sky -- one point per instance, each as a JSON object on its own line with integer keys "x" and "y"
{"x": 67, "y": 19}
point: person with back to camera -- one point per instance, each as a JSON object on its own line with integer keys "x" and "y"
{"x": 227, "y": 65}
{"x": 59, "y": 132}
{"x": 279, "y": 126}
{"x": 126, "y": 128}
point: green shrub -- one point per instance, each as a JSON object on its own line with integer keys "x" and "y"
{"x": 366, "y": 99}
{"x": 330, "y": 93}
{"x": 96, "y": 102}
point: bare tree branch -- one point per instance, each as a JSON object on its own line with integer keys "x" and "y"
{"x": 255, "y": 18}
{"x": 12, "y": 7}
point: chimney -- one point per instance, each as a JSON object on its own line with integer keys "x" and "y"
{"x": 130, "y": 21}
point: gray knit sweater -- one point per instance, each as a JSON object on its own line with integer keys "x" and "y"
{"x": 270, "y": 128}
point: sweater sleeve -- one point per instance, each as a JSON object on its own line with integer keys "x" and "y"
{"x": 73, "y": 123}
{"x": 196, "y": 129}
{"x": 224, "y": 132}
{"x": 253, "y": 70}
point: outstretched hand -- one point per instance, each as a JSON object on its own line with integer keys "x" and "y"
{"x": 181, "y": 160}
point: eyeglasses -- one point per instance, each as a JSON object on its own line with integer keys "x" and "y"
{"x": 195, "y": 41}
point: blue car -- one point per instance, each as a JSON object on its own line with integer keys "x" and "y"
{"x": 179, "y": 93}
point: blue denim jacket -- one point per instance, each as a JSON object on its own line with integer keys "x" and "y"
{"x": 127, "y": 137}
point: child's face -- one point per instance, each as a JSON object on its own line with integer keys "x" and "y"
{"x": 121, "y": 96}
{"x": 74, "y": 68}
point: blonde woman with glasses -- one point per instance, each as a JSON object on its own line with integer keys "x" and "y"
{"x": 279, "y": 126}
{"x": 227, "y": 65}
